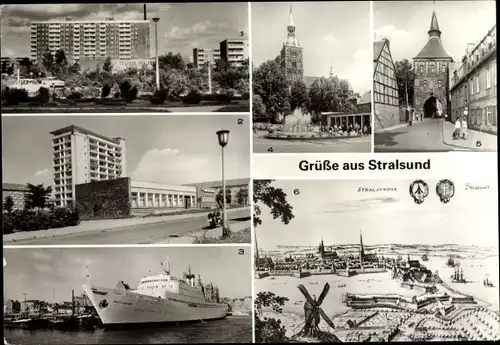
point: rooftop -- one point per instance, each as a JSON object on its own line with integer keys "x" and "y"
{"x": 14, "y": 187}
{"x": 214, "y": 184}
{"x": 434, "y": 47}
{"x": 74, "y": 128}
{"x": 378, "y": 46}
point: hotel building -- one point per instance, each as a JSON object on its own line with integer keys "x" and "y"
{"x": 385, "y": 87}
{"x": 202, "y": 56}
{"x": 474, "y": 85}
{"x": 91, "y": 40}
{"x": 82, "y": 156}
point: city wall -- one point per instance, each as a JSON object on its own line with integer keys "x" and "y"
{"x": 104, "y": 199}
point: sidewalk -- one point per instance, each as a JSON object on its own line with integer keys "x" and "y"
{"x": 401, "y": 125}
{"x": 216, "y": 233}
{"x": 477, "y": 141}
{"x": 106, "y": 224}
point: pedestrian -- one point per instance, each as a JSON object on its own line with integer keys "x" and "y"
{"x": 458, "y": 129}
{"x": 465, "y": 129}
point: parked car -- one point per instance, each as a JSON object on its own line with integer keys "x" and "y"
{"x": 32, "y": 86}
{"x": 52, "y": 82}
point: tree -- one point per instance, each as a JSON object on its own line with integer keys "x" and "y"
{"x": 323, "y": 96}
{"x": 48, "y": 60}
{"x": 173, "y": 81}
{"x": 298, "y": 96}
{"x": 242, "y": 196}
{"x": 61, "y": 58}
{"x": 75, "y": 68}
{"x": 405, "y": 77}
{"x": 272, "y": 197}
{"x": 269, "y": 82}
{"x": 267, "y": 329}
{"x": 8, "y": 205}
{"x": 107, "y": 66}
{"x": 258, "y": 108}
{"x": 219, "y": 198}
{"x": 36, "y": 197}
{"x": 172, "y": 61}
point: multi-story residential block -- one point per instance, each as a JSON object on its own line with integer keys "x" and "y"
{"x": 16, "y": 192}
{"x": 204, "y": 55}
{"x": 234, "y": 51}
{"x": 91, "y": 40}
{"x": 473, "y": 85}
{"x": 431, "y": 66}
{"x": 82, "y": 156}
{"x": 385, "y": 87}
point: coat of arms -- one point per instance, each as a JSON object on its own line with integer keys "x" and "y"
{"x": 419, "y": 191}
{"x": 445, "y": 189}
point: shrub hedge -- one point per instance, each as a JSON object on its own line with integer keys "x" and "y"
{"x": 193, "y": 97}
{"x": 159, "y": 97}
{"x": 31, "y": 221}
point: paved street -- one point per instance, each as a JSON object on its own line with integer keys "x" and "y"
{"x": 139, "y": 234}
{"x": 361, "y": 144}
{"x": 431, "y": 136}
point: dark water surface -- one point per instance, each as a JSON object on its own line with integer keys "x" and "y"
{"x": 233, "y": 329}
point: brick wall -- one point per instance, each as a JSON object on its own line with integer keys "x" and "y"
{"x": 387, "y": 116}
{"x": 104, "y": 199}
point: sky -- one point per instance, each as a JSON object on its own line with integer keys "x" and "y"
{"x": 337, "y": 211}
{"x": 333, "y": 34}
{"x": 38, "y": 271}
{"x": 181, "y": 28}
{"x": 406, "y": 23}
{"x": 165, "y": 149}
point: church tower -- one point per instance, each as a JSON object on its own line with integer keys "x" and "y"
{"x": 361, "y": 248}
{"x": 291, "y": 54}
{"x": 321, "y": 248}
{"x": 431, "y": 68}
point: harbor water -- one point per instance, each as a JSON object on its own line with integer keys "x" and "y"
{"x": 233, "y": 329}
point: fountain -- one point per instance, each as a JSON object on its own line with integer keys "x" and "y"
{"x": 297, "y": 122}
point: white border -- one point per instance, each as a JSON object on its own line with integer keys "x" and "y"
{"x": 371, "y": 32}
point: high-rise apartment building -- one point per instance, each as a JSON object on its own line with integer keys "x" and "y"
{"x": 234, "y": 51}
{"x": 203, "y": 55}
{"x": 82, "y": 156}
{"x": 92, "y": 40}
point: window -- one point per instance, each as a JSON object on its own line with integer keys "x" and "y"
{"x": 439, "y": 83}
{"x": 477, "y": 84}
{"x": 432, "y": 68}
{"x": 443, "y": 68}
{"x": 416, "y": 82}
{"x": 471, "y": 87}
{"x": 489, "y": 71}
{"x": 425, "y": 83}
{"x": 489, "y": 117}
{"x": 421, "y": 68}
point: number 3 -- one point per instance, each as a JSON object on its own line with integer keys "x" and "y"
{"x": 241, "y": 251}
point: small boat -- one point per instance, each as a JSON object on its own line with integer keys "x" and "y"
{"x": 425, "y": 257}
{"x": 487, "y": 282}
{"x": 451, "y": 262}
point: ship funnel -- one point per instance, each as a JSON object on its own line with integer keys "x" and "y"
{"x": 166, "y": 265}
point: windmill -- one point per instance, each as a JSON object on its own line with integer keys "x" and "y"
{"x": 314, "y": 312}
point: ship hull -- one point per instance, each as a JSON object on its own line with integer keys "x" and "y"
{"x": 118, "y": 308}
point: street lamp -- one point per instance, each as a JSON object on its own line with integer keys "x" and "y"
{"x": 466, "y": 112}
{"x": 156, "y": 53}
{"x": 223, "y": 136}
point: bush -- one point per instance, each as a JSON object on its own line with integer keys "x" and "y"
{"x": 193, "y": 97}
{"x": 226, "y": 96}
{"x": 159, "y": 97}
{"x": 245, "y": 95}
{"x": 30, "y": 221}
{"x": 128, "y": 92}
{"x": 14, "y": 96}
{"x": 43, "y": 95}
{"x": 114, "y": 102}
{"x": 116, "y": 95}
{"x": 74, "y": 95}
{"x": 106, "y": 90}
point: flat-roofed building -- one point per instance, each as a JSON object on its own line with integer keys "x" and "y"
{"x": 239, "y": 189}
{"x": 17, "y": 192}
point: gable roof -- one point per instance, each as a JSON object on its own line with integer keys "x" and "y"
{"x": 377, "y": 49}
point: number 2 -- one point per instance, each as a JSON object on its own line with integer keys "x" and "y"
{"x": 240, "y": 121}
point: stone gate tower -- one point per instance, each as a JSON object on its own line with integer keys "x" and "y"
{"x": 431, "y": 67}
{"x": 291, "y": 54}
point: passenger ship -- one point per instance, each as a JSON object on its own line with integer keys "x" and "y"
{"x": 158, "y": 299}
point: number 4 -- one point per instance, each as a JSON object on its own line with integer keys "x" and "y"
{"x": 270, "y": 149}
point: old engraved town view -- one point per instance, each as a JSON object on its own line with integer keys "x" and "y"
{"x": 333, "y": 263}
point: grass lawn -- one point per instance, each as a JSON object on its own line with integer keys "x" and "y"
{"x": 243, "y": 236}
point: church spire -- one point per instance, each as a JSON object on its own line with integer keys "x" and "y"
{"x": 434, "y": 29}
{"x": 291, "y": 40}
{"x": 331, "y": 70}
{"x": 361, "y": 248}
